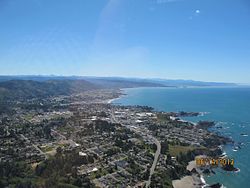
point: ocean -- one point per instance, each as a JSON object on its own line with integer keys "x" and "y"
{"x": 228, "y": 107}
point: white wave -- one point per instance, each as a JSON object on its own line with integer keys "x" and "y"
{"x": 203, "y": 113}
{"x": 238, "y": 170}
{"x": 203, "y": 182}
{"x": 224, "y": 153}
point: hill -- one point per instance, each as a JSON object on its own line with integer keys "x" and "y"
{"x": 29, "y": 88}
{"x": 23, "y": 89}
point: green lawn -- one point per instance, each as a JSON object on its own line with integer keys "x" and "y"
{"x": 174, "y": 150}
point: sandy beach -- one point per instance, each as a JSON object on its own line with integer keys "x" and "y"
{"x": 109, "y": 101}
{"x": 193, "y": 181}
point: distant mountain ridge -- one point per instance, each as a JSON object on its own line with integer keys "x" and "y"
{"x": 194, "y": 83}
{"x": 165, "y": 82}
{"x": 25, "y": 88}
{"x": 121, "y": 82}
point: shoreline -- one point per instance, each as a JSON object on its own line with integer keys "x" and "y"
{"x": 120, "y": 94}
{"x": 195, "y": 180}
{"x": 109, "y": 101}
{"x": 191, "y": 181}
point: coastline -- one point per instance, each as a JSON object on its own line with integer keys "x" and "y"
{"x": 120, "y": 93}
{"x": 188, "y": 182}
{"x": 195, "y": 180}
{"x": 109, "y": 101}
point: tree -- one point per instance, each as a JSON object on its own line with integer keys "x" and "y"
{"x": 168, "y": 160}
{"x": 47, "y": 131}
{"x": 164, "y": 147}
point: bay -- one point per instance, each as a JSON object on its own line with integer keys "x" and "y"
{"x": 228, "y": 107}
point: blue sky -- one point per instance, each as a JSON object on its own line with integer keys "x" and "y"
{"x": 206, "y": 40}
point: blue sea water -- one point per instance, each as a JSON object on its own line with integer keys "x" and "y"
{"x": 229, "y": 107}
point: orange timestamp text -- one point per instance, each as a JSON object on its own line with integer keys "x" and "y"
{"x": 204, "y": 161}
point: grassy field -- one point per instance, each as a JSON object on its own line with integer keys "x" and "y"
{"x": 162, "y": 118}
{"x": 47, "y": 148}
{"x": 174, "y": 150}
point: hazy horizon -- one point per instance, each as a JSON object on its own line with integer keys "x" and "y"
{"x": 122, "y": 77}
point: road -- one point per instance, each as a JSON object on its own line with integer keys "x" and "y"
{"x": 56, "y": 132}
{"x": 35, "y": 146}
{"x": 70, "y": 141}
{"x": 157, "y": 153}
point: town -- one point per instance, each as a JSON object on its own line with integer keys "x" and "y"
{"x": 82, "y": 140}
